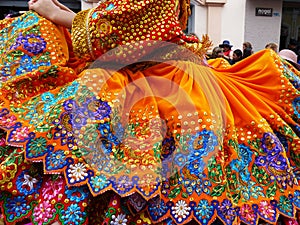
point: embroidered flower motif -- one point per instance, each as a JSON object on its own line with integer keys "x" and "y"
{"x": 227, "y": 211}
{"x": 97, "y": 109}
{"x": 52, "y": 188}
{"x": 180, "y": 159}
{"x": 203, "y": 142}
{"x": 70, "y": 105}
{"x": 157, "y": 208}
{"x": 204, "y": 211}
{"x": 118, "y": 220}
{"x": 77, "y": 172}
{"x": 251, "y": 189}
{"x": 123, "y": 184}
{"x": 241, "y": 167}
{"x": 285, "y": 205}
{"x": 77, "y": 194}
{"x": 247, "y": 213}
{"x": 99, "y": 182}
{"x": 266, "y": 210}
{"x": 56, "y": 160}
{"x": 180, "y": 210}
{"x": 8, "y": 120}
{"x": 200, "y": 145}
{"x": 73, "y": 215}
{"x": 296, "y": 106}
{"x": 296, "y": 198}
{"x": 37, "y": 147}
{"x": 195, "y": 164}
{"x": 245, "y": 153}
{"x": 78, "y": 120}
{"x": 274, "y": 162}
{"x": 104, "y": 26}
{"x": 20, "y": 134}
{"x": 2, "y": 142}
{"x": 32, "y": 43}
{"x": 16, "y": 206}
{"x": 27, "y": 184}
{"x": 43, "y": 212}
{"x": 168, "y": 146}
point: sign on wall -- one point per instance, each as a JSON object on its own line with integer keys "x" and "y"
{"x": 263, "y": 11}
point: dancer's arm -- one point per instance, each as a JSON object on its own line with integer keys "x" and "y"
{"x": 54, "y": 11}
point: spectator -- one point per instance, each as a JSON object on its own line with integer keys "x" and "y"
{"x": 290, "y": 56}
{"x": 247, "y": 52}
{"x": 272, "y": 46}
{"x": 226, "y": 46}
{"x": 247, "y": 45}
{"x": 293, "y": 45}
{"x": 217, "y": 53}
{"x": 237, "y": 56}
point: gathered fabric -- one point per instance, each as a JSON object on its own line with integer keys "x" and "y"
{"x": 158, "y": 143}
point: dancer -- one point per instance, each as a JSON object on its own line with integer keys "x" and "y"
{"x": 128, "y": 126}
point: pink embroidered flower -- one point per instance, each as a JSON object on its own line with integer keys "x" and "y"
{"x": 247, "y": 213}
{"x": 20, "y": 134}
{"x": 52, "y": 188}
{"x": 266, "y": 209}
{"x": 8, "y": 120}
{"x": 43, "y": 212}
{"x": 2, "y": 141}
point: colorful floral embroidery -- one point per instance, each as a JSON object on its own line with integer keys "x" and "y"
{"x": 73, "y": 215}
{"x": 27, "y": 184}
{"x": 32, "y": 43}
{"x": 37, "y": 147}
{"x": 204, "y": 211}
{"x": 43, "y": 212}
{"x": 16, "y": 207}
{"x": 118, "y": 220}
{"x": 181, "y": 210}
{"x": 77, "y": 172}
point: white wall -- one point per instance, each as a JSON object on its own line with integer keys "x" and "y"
{"x": 233, "y": 22}
{"x": 239, "y": 23}
{"x": 259, "y": 30}
{"x": 200, "y": 17}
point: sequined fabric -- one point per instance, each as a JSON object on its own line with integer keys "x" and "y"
{"x": 131, "y": 25}
{"x": 165, "y": 143}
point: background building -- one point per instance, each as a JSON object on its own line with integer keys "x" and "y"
{"x": 256, "y": 21}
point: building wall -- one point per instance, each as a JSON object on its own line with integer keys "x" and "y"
{"x": 233, "y": 21}
{"x": 236, "y": 21}
{"x": 260, "y": 30}
{"x": 221, "y": 21}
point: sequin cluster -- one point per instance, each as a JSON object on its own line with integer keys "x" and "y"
{"x": 114, "y": 23}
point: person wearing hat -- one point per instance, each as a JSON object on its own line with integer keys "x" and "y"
{"x": 228, "y": 53}
{"x": 290, "y": 56}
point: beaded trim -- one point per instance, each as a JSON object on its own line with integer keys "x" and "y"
{"x": 80, "y": 34}
{"x": 88, "y": 33}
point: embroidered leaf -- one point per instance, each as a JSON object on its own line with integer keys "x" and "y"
{"x": 236, "y": 197}
{"x": 49, "y": 135}
{"x": 233, "y": 144}
{"x": 175, "y": 192}
{"x": 174, "y": 179}
{"x": 218, "y": 190}
{"x": 260, "y": 174}
{"x": 271, "y": 191}
{"x": 184, "y": 195}
{"x": 288, "y": 131}
{"x": 296, "y": 158}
